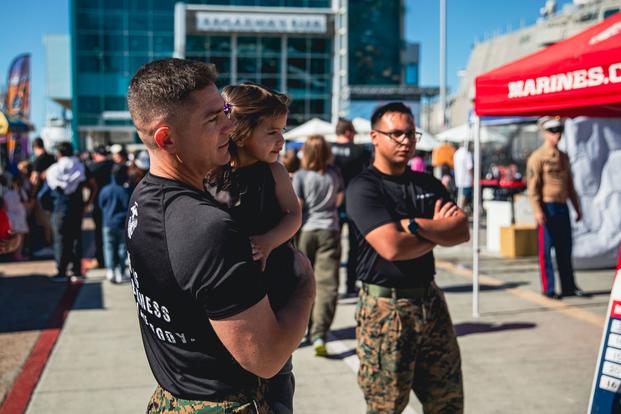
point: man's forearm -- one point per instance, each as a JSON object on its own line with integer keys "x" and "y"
{"x": 446, "y": 231}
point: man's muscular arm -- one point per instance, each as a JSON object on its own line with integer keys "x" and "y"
{"x": 448, "y": 227}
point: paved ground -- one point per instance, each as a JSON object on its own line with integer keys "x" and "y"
{"x": 524, "y": 354}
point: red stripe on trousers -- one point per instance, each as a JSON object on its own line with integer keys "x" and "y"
{"x": 542, "y": 261}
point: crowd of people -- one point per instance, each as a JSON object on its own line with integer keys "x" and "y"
{"x": 44, "y": 201}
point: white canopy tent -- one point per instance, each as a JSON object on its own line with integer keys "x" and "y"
{"x": 363, "y": 128}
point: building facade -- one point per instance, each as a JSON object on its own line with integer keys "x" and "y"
{"x": 310, "y": 49}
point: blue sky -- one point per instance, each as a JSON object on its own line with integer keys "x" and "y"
{"x": 25, "y": 22}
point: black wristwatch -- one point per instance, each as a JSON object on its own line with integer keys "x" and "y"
{"x": 413, "y": 226}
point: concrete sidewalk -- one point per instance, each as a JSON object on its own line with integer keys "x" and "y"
{"x": 525, "y": 353}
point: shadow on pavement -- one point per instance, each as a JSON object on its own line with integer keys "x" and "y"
{"x": 469, "y": 328}
{"x": 467, "y": 288}
{"x": 28, "y": 302}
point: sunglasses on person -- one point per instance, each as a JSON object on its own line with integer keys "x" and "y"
{"x": 555, "y": 130}
{"x": 398, "y": 135}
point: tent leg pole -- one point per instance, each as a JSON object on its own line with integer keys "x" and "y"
{"x": 476, "y": 217}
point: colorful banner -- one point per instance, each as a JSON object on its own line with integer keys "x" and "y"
{"x": 18, "y": 91}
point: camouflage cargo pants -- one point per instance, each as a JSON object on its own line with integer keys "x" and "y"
{"x": 408, "y": 344}
{"x": 163, "y": 402}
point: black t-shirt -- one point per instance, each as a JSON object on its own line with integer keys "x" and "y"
{"x": 189, "y": 264}
{"x": 43, "y": 162}
{"x": 351, "y": 159}
{"x": 376, "y": 199}
{"x": 257, "y": 212}
{"x": 101, "y": 172}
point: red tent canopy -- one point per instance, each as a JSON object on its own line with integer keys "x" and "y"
{"x": 580, "y": 75}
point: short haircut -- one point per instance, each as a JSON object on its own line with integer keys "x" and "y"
{"x": 38, "y": 143}
{"x": 316, "y": 154}
{"x": 160, "y": 88}
{"x": 64, "y": 148}
{"x": 398, "y": 107}
{"x": 343, "y": 126}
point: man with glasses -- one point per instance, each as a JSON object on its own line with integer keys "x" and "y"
{"x": 405, "y": 337}
{"x": 549, "y": 186}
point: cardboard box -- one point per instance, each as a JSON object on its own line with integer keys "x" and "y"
{"x": 518, "y": 240}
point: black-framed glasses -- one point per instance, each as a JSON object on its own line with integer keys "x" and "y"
{"x": 397, "y": 134}
{"x": 555, "y": 130}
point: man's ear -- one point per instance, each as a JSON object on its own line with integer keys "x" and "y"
{"x": 373, "y": 136}
{"x": 162, "y": 138}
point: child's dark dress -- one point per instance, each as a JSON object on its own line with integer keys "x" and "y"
{"x": 257, "y": 212}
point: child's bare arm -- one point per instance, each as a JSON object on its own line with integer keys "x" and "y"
{"x": 286, "y": 228}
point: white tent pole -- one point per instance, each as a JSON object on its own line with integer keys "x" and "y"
{"x": 477, "y": 215}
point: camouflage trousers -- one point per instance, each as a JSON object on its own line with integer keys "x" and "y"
{"x": 163, "y": 402}
{"x": 408, "y": 344}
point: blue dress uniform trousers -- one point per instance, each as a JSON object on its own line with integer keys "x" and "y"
{"x": 556, "y": 233}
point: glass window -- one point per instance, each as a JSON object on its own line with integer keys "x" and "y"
{"x": 297, "y": 87}
{"x": 296, "y": 66}
{"x": 296, "y": 45}
{"x": 136, "y": 61}
{"x": 85, "y": 119}
{"x": 115, "y": 103}
{"x": 223, "y": 81}
{"x": 247, "y": 46}
{"x": 89, "y": 42}
{"x": 88, "y": 21}
{"x": 163, "y": 22}
{"x": 247, "y": 65}
{"x": 114, "y": 21}
{"x": 220, "y": 44}
{"x": 270, "y": 45}
{"x": 200, "y": 58}
{"x": 139, "y": 43}
{"x": 194, "y": 44}
{"x": 320, "y": 66}
{"x": 271, "y": 82}
{"x": 163, "y": 43}
{"x": 319, "y": 45}
{"x": 163, "y": 5}
{"x": 318, "y": 85}
{"x": 89, "y": 104}
{"x": 114, "y": 63}
{"x": 248, "y": 78}
{"x": 270, "y": 65}
{"x": 114, "y": 43}
{"x": 88, "y": 64}
{"x": 317, "y": 106}
{"x": 137, "y": 5}
{"x": 114, "y": 4}
{"x": 610, "y": 12}
{"x": 87, "y": 4}
{"x": 223, "y": 64}
{"x": 138, "y": 22}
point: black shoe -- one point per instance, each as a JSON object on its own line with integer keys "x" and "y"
{"x": 553, "y": 296}
{"x": 578, "y": 292}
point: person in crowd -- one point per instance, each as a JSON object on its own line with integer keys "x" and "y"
{"x": 100, "y": 169}
{"x": 350, "y": 159}
{"x": 417, "y": 164}
{"x": 17, "y": 203}
{"x": 258, "y": 192}
{"x": 24, "y": 169}
{"x": 405, "y": 337}
{"x": 319, "y": 187}
{"x": 9, "y": 241}
{"x": 119, "y": 154}
{"x": 62, "y": 195}
{"x": 42, "y": 161}
{"x": 291, "y": 161}
{"x": 213, "y": 337}
{"x": 550, "y": 185}
{"x": 464, "y": 166}
{"x": 138, "y": 168}
{"x": 113, "y": 201}
{"x": 440, "y": 156}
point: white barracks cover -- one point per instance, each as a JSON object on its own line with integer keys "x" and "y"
{"x": 594, "y": 148}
